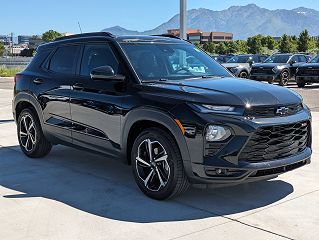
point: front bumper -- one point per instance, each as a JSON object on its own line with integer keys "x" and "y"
{"x": 308, "y": 78}
{"x": 225, "y": 167}
{"x": 264, "y": 77}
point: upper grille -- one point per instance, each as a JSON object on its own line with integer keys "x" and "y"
{"x": 271, "y": 111}
{"x": 261, "y": 71}
{"x": 276, "y": 142}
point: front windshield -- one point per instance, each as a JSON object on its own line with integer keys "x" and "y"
{"x": 315, "y": 59}
{"x": 171, "y": 61}
{"x": 239, "y": 59}
{"x": 278, "y": 59}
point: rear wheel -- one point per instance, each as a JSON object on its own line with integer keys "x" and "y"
{"x": 30, "y": 135}
{"x": 157, "y": 165}
{"x": 284, "y": 78}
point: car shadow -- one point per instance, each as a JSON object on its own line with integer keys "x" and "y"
{"x": 107, "y": 189}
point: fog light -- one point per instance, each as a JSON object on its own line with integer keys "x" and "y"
{"x": 217, "y": 133}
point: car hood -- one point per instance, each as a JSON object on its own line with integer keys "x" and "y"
{"x": 233, "y": 65}
{"x": 309, "y": 66}
{"x": 267, "y": 65}
{"x": 226, "y": 91}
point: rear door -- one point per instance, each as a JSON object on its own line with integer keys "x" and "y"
{"x": 52, "y": 89}
{"x": 96, "y": 104}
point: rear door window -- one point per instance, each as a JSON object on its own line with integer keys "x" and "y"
{"x": 64, "y": 59}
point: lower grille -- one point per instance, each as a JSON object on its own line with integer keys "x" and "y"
{"x": 212, "y": 149}
{"x": 276, "y": 142}
{"x": 262, "y": 71}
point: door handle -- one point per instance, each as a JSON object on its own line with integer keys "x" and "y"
{"x": 38, "y": 81}
{"x": 78, "y": 86}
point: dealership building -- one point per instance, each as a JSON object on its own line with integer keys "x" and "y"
{"x": 196, "y": 35}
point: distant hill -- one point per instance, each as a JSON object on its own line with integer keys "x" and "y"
{"x": 243, "y": 21}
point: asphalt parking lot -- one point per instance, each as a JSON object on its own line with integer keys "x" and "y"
{"x": 72, "y": 194}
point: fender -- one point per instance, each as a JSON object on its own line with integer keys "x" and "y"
{"x": 155, "y": 115}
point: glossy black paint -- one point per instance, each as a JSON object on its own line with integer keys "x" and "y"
{"x": 103, "y": 115}
{"x": 308, "y": 73}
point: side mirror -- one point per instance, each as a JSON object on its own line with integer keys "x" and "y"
{"x": 251, "y": 62}
{"x": 105, "y": 73}
{"x": 292, "y": 62}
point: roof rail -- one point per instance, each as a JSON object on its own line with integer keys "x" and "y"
{"x": 166, "y": 35}
{"x": 92, "y": 34}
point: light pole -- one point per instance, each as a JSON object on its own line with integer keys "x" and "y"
{"x": 183, "y": 20}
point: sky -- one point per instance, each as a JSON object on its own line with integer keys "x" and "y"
{"x": 35, "y": 17}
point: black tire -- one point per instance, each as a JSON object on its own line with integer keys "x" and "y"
{"x": 40, "y": 146}
{"x": 284, "y": 78}
{"x": 243, "y": 74}
{"x": 171, "y": 170}
{"x": 301, "y": 84}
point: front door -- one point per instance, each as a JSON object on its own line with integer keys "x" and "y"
{"x": 96, "y": 104}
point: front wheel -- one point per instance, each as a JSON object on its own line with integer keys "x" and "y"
{"x": 157, "y": 165}
{"x": 243, "y": 74}
{"x": 284, "y": 78}
{"x": 30, "y": 135}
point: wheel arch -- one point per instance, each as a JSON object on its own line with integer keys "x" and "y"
{"x": 142, "y": 118}
{"x": 23, "y": 101}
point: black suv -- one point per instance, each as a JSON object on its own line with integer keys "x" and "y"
{"x": 240, "y": 65}
{"x": 144, "y": 101}
{"x": 308, "y": 73}
{"x": 278, "y": 67}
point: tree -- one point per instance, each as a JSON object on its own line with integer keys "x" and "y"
{"x": 231, "y": 47}
{"x": 270, "y": 42}
{"x": 254, "y": 44}
{"x": 50, "y": 35}
{"x": 209, "y": 47}
{"x": 241, "y": 46}
{"x": 2, "y": 49}
{"x": 221, "y": 48}
{"x": 287, "y": 44}
{"x": 304, "y": 41}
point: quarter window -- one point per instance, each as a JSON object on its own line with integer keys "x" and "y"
{"x": 64, "y": 60}
{"x": 97, "y": 55}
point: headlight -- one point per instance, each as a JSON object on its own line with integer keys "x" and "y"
{"x": 216, "y": 133}
{"x": 207, "y": 108}
{"x": 275, "y": 69}
{"x": 219, "y": 108}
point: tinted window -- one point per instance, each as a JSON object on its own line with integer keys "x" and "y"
{"x": 302, "y": 58}
{"x": 295, "y": 59}
{"x": 239, "y": 59}
{"x": 64, "y": 60}
{"x": 262, "y": 58}
{"x": 154, "y": 61}
{"x": 97, "y": 55}
{"x": 315, "y": 59}
{"x": 278, "y": 58}
{"x": 256, "y": 59}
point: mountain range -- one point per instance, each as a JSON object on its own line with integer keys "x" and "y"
{"x": 242, "y": 21}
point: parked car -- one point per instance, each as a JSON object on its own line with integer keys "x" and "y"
{"x": 222, "y": 58}
{"x": 308, "y": 73}
{"x": 240, "y": 65}
{"x": 130, "y": 99}
{"x": 278, "y": 67}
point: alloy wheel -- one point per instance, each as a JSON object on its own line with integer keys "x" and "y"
{"x": 285, "y": 77}
{"x": 27, "y": 133}
{"x": 152, "y": 165}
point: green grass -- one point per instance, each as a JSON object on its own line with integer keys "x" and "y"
{"x": 9, "y": 72}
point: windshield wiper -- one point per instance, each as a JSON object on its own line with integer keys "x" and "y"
{"x": 155, "y": 80}
{"x": 212, "y": 76}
